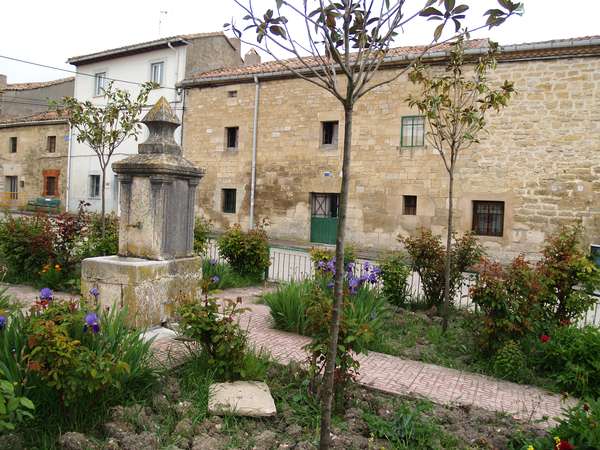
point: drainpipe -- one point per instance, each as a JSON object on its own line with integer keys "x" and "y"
{"x": 254, "y": 136}
{"x": 68, "y": 168}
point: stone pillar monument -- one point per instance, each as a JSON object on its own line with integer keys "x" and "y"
{"x": 156, "y": 229}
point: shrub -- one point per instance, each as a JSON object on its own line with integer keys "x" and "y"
{"x": 510, "y": 362}
{"x": 325, "y": 255}
{"x": 428, "y": 255}
{"x": 288, "y": 305}
{"x": 224, "y": 277}
{"x": 202, "y": 232}
{"x": 247, "y": 252}
{"x": 13, "y": 409}
{"x": 394, "y": 273}
{"x": 217, "y": 332}
{"x": 569, "y": 356}
{"x": 93, "y": 243}
{"x": 570, "y": 276}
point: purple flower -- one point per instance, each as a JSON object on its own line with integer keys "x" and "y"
{"x": 367, "y": 266}
{"x": 214, "y": 279}
{"x": 91, "y": 321}
{"x": 213, "y": 262}
{"x": 373, "y": 278}
{"x": 321, "y": 264}
{"x": 46, "y": 294}
{"x": 95, "y": 292}
{"x": 2, "y": 322}
{"x": 350, "y": 267}
{"x": 331, "y": 266}
{"x": 330, "y": 285}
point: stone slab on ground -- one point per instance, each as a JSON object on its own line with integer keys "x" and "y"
{"x": 241, "y": 398}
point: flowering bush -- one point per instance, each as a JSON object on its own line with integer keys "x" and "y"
{"x": 246, "y": 252}
{"x": 428, "y": 256}
{"x": 325, "y": 255}
{"x": 216, "y": 331}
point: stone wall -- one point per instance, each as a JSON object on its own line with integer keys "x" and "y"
{"x": 26, "y": 102}
{"x": 32, "y": 161}
{"x": 210, "y": 52}
{"x": 541, "y": 157}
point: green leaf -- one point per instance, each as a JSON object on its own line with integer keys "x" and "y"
{"x": 438, "y": 32}
{"x": 431, "y": 11}
{"x": 27, "y": 403}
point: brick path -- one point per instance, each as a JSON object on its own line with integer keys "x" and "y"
{"x": 403, "y": 377}
{"x": 378, "y": 371}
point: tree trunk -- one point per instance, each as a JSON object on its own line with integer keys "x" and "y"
{"x": 328, "y": 377}
{"x": 446, "y": 304}
{"x": 103, "y": 201}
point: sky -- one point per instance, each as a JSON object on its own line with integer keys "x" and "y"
{"x": 49, "y": 32}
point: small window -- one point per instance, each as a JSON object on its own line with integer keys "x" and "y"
{"x": 228, "y": 200}
{"x": 231, "y": 93}
{"x": 156, "y": 72}
{"x": 329, "y": 133}
{"x": 11, "y": 186}
{"x": 488, "y": 218}
{"x": 325, "y": 205}
{"x": 51, "y": 144}
{"x": 50, "y": 186}
{"x": 413, "y": 131}
{"x": 94, "y": 186}
{"x": 410, "y": 205}
{"x": 13, "y": 145}
{"x": 231, "y": 136}
{"x": 99, "y": 83}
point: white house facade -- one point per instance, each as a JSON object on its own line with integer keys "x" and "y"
{"x": 165, "y": 62}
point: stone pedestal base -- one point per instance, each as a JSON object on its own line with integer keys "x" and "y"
{"x": 147, "y": 288}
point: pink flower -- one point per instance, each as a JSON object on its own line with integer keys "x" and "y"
{"x": 544, "y": 338}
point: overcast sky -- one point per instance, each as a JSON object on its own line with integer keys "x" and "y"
{"x": 49, "y": 32}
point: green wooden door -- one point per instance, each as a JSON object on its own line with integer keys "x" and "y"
{"x": 323, "y": 223}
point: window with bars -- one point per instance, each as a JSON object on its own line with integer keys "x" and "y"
{"x": 157, "y": 72}
{"x": 99, "y": 83}
{"x": 488, "y": 218}
{"x": 231, "y": 137}
{"x": 413, "y": 131}
{"x": 228, "y": 196}
{"x": 325, "y": 205}
{"x": 51, "y": 144}
{"x": 409, "y": 205}
{"x": 12, "y": 145}
{"x": 329, "y": 133}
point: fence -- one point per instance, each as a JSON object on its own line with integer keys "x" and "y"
{"x": 291, "y": 264}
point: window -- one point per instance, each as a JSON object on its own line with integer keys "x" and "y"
{"x": 329, "y": 133}
{"x": 488, "y": 218}
{"x": 410, "y": 205}
{"x": 413, "y": 131}
{"x": 228, "y": 200}
{"x": 13, "y": 145}
{"x": 11, "y": 186}
{"x": 325, "y": 205}
{"x": 51, "y": 144}
{"x": 50, "y": 186}
{"x": 99, "y": 83}
{"x": 94, "y": 186}
{"x": 231, "y": 93}
{"x": 156, "y": 72}
{"x": 231, "y": 136}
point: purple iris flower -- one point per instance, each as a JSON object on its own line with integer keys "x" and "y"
{"x": 95, "y": 292}
{"x": 213, "y": 262}
{"x": 330, "y": 285}
{"x": 321, "y": 264}
{"x": 367, "y": 266}
{"x": 373, "y": 278}
{"x": 331, "y": 266}
{"x": 364, "y": 277}
{"x": 46, "y": 294}
{"x": 91, "y": 321}
{"x": 350, "y": 267}
{"x": 214, "y": 279}
{"x": 2, "y": 322}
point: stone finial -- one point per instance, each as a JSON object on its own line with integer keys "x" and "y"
{"x": 162, "y": 123}
{"x": 251, "y": 58}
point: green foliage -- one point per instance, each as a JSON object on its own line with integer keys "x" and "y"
{"x": 247, "y": 252}
{"x": 510, "y": 362}
{"x": 394, "y": 273}
{"x": 227, "y": 277}
{"x": 325, "y": 255}
{"x": 428, "y": 255}
{"x": 96, "y": 243}
{"x": 570, "y": 357}
{"x": 13, "y": 409}
{"x": 410, "y": 428}
{"x": 288, "y": 305}
{"x": 217, "y": 332}
{"x": 202, "y": 231}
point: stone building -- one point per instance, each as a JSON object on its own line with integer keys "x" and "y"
{"x": 33, "y": 159}
{"x": 538, "y": 167}
{"x": 26, "y": 99}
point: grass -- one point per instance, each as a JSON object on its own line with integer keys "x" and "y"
{"x": 228, "y": 278}
{"x": 288, "y": 306}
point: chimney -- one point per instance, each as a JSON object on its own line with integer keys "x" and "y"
{"x": 237, "y": 44}
{"x": 3, "y": 81}
{"x": 251, "y": 58}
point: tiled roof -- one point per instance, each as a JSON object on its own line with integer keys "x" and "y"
{"x": 46, "y": 116}
{"x": 140, "y": 47}
{"x": 555, "y": 47}
{"x": 35, "y": 85}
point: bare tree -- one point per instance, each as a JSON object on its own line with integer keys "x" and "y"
{"x": 342, "y": 46}
{"x": 104, "y": 127}
{"x": 455, "y": 105}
